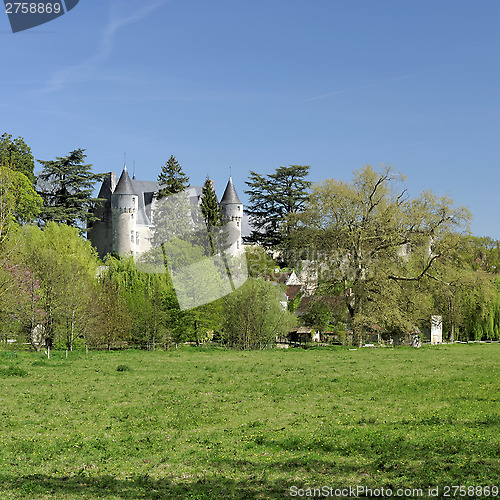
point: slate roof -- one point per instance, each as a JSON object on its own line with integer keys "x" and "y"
{"x": 145, "y": 191}
{"x": 124, "y": 185}
{"x": 230, "y": 195}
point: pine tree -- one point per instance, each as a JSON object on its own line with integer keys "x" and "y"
{"x": 172, "y": 179}
{"x": 210, "y": 208}
{"x": 212, "y": 216}
{"x": 66, "y": 185}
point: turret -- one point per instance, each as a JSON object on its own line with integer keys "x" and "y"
{"x": 232, "y": 212}
{"x": 124, "y": 204}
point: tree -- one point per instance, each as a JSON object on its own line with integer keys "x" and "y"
{"x": 272, "y": 198}
{"x": 172, "y": 210}
{"x": 145, "y": 297}
{"x": 212, "y": 217}
{"x": 375, "y": 247}
{"x": 254, "y": 315}
{"x": 464, "y": 289}
{"x": 210, "y": 208}
{"x": 66, "y": 185}
{"x": 20, "y": 304}
{"x": 318, "y": 315}
{"x": 113, "y": 318}
{"x": 16, "y": 154}
{"x": 259, "y": 263}
{"x": 19, "y": 203}
{"x": 66, "y": 266}
{"x": 172, "y": 179}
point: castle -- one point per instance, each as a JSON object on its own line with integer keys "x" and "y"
{"x": 126, "y": 218}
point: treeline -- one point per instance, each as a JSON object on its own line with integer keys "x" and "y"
{"x": 373, "y": 260}
{"x": 55, "y": 292}
{"x": 377, "y": 260}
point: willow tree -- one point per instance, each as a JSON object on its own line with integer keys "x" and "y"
{"x": 466, "y": 290}
{"x": 370, "y": 243}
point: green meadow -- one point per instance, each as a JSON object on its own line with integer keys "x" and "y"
{"x": 209, "y": 423}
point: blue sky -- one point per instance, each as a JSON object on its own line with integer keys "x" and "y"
{"x": 335, "y": 84}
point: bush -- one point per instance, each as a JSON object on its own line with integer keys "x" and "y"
{"x": 123, "y": 368}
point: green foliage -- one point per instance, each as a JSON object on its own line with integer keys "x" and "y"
{"x": 16, "y": 154}
{"x": 19, "y": 202}
{"x": 112, "y": 320}
{"x": 259, "y": 263}
{"x": 173, "y": 220}
{"x": 172, "y": 179}
{"x": 271, "y": 199}
{"x": 376, "y": 245}
{"x": 145, "y": 300}
{"x": 210, "y": 208}
{"x": 318, "y": 315}
{"x": 66, "y": 185}
{"x": 254, "y": 316}
{"x": 65, "y": 266}
{"x": 212, "y": 216}
{"x": 464, "y": 291}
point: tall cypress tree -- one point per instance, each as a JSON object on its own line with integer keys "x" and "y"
{"x": 172, "y": 179}
{"x": 212, "y": 215}
{"x": 210, "y": 208}
{"x": 66, "y": 185}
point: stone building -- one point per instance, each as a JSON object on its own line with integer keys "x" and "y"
{"x": 126, "y": 219}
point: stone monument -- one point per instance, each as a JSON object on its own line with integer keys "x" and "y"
{"x": 436, "y": 330}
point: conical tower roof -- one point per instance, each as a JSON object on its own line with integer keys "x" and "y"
{"x": 124, "y": 185}
{"x": 230, "y": 195}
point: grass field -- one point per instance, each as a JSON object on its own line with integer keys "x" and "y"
{"x": 200, "y": 423}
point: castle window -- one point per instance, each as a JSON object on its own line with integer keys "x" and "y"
{"x": 237, "y": 223}
{"x": 131, "y": 236}
{"x": 137, "y": 237}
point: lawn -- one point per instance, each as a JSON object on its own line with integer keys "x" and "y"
{"x": 200, "y": 423}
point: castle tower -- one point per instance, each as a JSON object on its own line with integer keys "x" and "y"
{"x": 124, "y": 202}
{"x": 232, "y": 212}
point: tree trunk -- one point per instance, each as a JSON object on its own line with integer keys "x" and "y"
{"x": 72, "y": 331}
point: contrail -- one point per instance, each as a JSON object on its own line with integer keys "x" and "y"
{"x": 82, "y": 70}
{"x": 375, "y": 84}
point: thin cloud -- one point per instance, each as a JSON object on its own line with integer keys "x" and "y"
{"x": 375, "y": 84}
{"x": 85, "y": 70}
